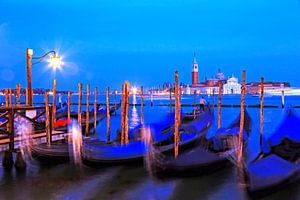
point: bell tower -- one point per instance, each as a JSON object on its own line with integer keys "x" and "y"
{"x": 195, "y": 71}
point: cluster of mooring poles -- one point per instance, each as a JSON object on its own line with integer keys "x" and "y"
{"x": 50, "y": 115}
{"x": 11, "y": 108}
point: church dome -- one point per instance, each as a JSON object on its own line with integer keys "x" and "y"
{"x": 220, "y": 75}
{"x": 232, "y": 79}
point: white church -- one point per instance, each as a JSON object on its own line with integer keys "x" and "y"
{"x": 232, "y": 86}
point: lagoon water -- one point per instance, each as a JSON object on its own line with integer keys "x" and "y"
{"x": 65, "y": 181}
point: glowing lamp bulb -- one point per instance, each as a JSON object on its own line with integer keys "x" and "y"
{"x": 55, "y": 61}
{"x": 134, "y": 90}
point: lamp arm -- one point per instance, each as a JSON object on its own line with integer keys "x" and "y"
{"x": 43, "y": 56}
{"x": 37, "y": 62}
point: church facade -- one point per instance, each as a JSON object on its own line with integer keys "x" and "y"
{"x": 232, "y": 86}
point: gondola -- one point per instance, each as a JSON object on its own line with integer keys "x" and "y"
{"x": 62, "y": 123}
{"x": 64, "y": 113}
{"x": 58, "y": 152}
{"x": 158, "y": 127}
{"x": 278, "y": 165}
{"x": 97, "y": 153}
{"x": 60, "y": 108}
{"x": 207, "y": 157}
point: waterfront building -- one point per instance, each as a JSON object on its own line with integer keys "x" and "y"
{"x": 232, "y": 86}
{"x": 255, "y": 87}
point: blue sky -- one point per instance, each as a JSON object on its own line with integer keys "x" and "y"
{"x": 145, "y": 41}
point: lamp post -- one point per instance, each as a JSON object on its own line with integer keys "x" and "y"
{"x": 54, "y": 60}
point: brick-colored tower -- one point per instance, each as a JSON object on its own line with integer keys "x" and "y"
{"x": 195, "y": 71}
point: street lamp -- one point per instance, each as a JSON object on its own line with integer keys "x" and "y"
{"x": 55, "y": 62}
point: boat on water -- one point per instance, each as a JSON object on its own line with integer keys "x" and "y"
{"x": 62, "y": 123}
{"x": 278, "y": 164}
{"x": 192, "y": 127}
{"x": 209, "y": 156}
{"x": 58, "y": 152}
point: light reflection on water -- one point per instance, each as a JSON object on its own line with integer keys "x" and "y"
{"x": 134, "y": 118}
{"x": 64, "y": 182}
{"x": 23, "y": 130}
{"x": 75, "y": 143}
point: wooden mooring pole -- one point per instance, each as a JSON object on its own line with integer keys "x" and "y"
{"x": 123, "y": 114}
{"x": 107, "y": 115}
{"x": 69, "y": 105}
{"x": 127, "y": 95}
{"x": 87, "y": 110}
{"x": 282, "y": 96}
{"x": 47, "y": 113}
{"x": 79, "y": 104}
{"x": 6, "y": 97}
{"x": 261, "y": 113}
{"x": 7, "y": 104}
{"x": 240, "y": 163}
{"x": 11, "y": 126}
{"x": 170, "y": 100}
{"x": 10, "y": 98}
{"x": 18, "y": 92}
{"x": 142, "y": 105}
{"x": 95, "y": 109}
{"x": 125, "y": 109}
{"x": 54, "y": 103}
{"x": 213, "y": 99}
{"x": 26, "y": 97}
{"x": 195, "y": 103}
{"x": 177, "y": 115}
{"x": 219, "y": 104}
{"x": 115, "y": 101}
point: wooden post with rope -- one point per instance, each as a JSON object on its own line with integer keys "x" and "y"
{"x": 107, "y": 115}
{"x": 87, "y": 110}
{"x": 261, "y": 112}
{"x": 95, "y": 109}
{"x": 177, "y": 115}
{"x": 240, "y": 163}
{"x": 219, "y": 104}
{"x": 79, "y": 105}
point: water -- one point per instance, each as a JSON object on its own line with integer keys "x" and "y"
{"x": 132, "y": 182}
{"x": 75, "y": 143}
